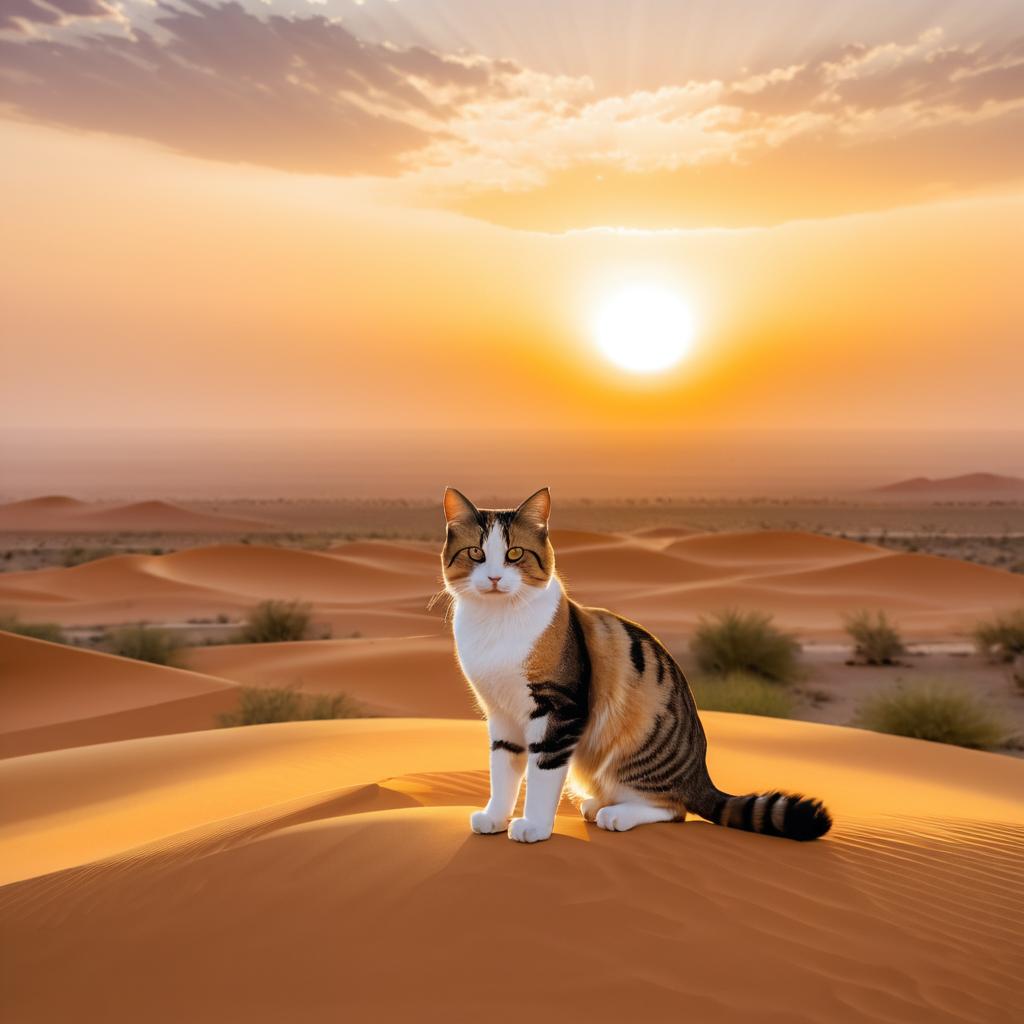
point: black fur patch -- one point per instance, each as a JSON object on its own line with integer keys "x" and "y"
{"x": 805, "y": 819}
{"x": 512, "y": 748}
{"x": 565, "y": 701}
{"x": 747, "y": 814}
{"x": 637, "y": 636}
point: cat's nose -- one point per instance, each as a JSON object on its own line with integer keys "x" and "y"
{"x": 494, "y": 579}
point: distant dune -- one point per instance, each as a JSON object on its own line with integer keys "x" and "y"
{"x": 302, "y": 871}
{"x": 68, "y": 515}
{"x": 48, "y": 503}
{"x": 392, "y": 654}
{"x": 983, "y": 485}
{"x": 381, "y": 588}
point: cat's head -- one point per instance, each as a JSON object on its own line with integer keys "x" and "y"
{"x": 496, "y": 554}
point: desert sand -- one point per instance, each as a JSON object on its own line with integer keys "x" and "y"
{"x": 392, "y": 652}
{"x": 64, "y": 514}
{"x": 313, "y": 871}
{"x": 382, "y": 588}
{"x": 52, "y": 696}
{"x": 156, "y": 868}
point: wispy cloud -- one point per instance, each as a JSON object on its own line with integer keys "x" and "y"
{"x": 511, "y": 143}
{"x": 20, "y": 16}
{"x": 300, "y": 93}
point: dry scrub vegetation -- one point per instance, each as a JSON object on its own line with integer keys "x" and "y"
{"x": 745, "y": 642}
{"x": 935, "y": 710}
{"x": 262, "y": 706}
{"x": 876, "y": 640}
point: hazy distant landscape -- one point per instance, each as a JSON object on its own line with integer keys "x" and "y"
{"x": 195, "y": 569}
{"x": 53, "y": 530}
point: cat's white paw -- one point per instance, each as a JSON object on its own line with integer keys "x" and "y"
{"x": 590, "y": 807}
{"x": 623, "y": 817}
{"x": 523, "y": 830}
{"x": 486, "y": 824}
{"x": 614, "y": 819}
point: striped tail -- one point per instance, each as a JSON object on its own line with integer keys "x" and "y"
{"x": 789, "y": 815}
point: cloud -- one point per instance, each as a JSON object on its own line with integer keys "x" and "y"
{"x": 859, "y": 128}
{"x": 20, "y": 15}
{"x": 217, "y": 81}
{"x": 517, "y": 145}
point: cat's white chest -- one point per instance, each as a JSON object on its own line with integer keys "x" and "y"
{"x": 494, "y": 642}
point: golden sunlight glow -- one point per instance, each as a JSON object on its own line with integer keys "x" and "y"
{"x": 643, "y": 328}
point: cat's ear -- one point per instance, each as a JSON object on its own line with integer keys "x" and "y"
{"x": 536, "y": 508}
{"x": 458, "y": 506}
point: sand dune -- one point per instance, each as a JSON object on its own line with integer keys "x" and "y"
{"x": 753, "y": 548}
{"x": 230, "y": 578}
{"x": 394, "y": 676}
{"x": 969, "y": 486}
{"x": 313, "y": 870}
{"x": 48, "y": 503}
{"x": 564, "y": 540}
{"x": 921, "y": 578}
{"x": 68, "y": 515}
{"x": 52, "y": 696}
{"x": 631, "y": 565}
{"x": 378, "y": 588}
{"x": 325, "y": 869}
{"x": 665, "y": 532}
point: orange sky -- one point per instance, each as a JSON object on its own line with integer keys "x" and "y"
{"x": 404, "y": 218}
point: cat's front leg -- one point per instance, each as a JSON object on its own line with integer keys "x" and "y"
{"x": 546, "y": 770}
{"x": 508, "y": 762}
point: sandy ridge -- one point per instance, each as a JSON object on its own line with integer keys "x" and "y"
{"x": 351, "y": 836}
{"x": 807, "y": 581}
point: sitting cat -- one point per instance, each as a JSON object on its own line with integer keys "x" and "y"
{"x": 567, "y": 688}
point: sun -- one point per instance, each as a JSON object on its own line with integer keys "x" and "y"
{"x": 643, "y": 328}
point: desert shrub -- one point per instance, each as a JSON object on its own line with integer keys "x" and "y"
{"x": 144, "y": 643}
{"x": 277, "y": 621}
{"x": 735, "y": 641}
{"x": 260, "y": 706}
{"x": 932, "y": 710}
{"x": 744, "y": 694}
{"x": 876, "y": 639}
{"x": 1001, "y": 638}
{"x": 37, "y": 630}
{"x": 79, "y": 556}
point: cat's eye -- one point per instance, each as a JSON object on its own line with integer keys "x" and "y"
{"x": 514, "y": 554}
{"x": 477, "y": 554}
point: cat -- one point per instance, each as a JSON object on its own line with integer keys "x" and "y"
{"x": 572, "y": 689}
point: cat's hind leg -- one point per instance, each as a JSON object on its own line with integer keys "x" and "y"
{"x": 624, "y": 816}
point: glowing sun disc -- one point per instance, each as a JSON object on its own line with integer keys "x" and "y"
{"x": 643, "y": 328}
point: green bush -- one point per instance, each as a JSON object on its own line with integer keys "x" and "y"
{"x": 735, "y": 641}
{"x": 876, "y": 639}
{"x": 743, "y": 694}
{"x": 932, "y": 710}
{"x": 37, "y": 630}
{"x": 1001, "y": 638}
{"x": 260, "y": 706}
{"x": 273, "y": 622}
{"x": 144, "y": 643}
